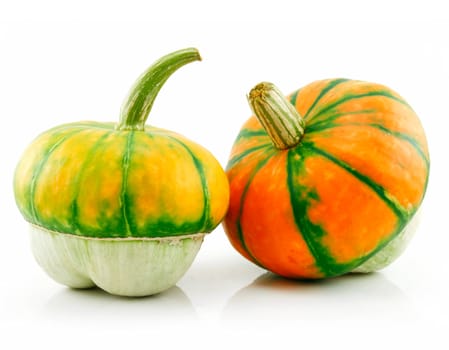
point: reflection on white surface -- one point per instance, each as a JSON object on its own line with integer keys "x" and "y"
{"x": 350, "y": 297}
{"x": 96, "y": 305}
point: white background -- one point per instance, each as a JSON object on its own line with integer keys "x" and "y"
{"x": 81, "y": 67}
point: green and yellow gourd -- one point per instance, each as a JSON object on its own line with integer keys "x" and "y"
{"x": 122, "y": 206}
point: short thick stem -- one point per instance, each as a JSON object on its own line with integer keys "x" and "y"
{"x": 277, "y": 115}
{"x": 137, "y": 106}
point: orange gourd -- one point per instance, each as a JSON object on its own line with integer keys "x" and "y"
{"x": 327, "y": 181}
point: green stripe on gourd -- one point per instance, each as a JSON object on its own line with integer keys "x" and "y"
{"x": 204, "y": 221}
{"x": 248, "y": 133}
{"x": 400, "y": 135}
{"x": 387, "y": 198}
{"x": 323, "y": 92}
{"x": 300, "y": 197}
{"x": 240, "y": 231}
{"x": 350, "y": 97}
{"x": 87, "y": 162}
{"x": 236, "y": 159}
{"x": 123, "y": 193}
{"x": 294, "y": 97}
{"x": 319, "y": 125}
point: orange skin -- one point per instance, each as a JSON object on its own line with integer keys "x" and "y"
{"x": 325, "y": 206}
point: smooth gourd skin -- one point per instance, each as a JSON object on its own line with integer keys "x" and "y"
{"x": 325, "y": 206}
{"x": 91, "y": 180}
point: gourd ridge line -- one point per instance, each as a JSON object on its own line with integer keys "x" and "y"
{"x": 403, "y": 136}
{"x": 333, "y": 83}
{"x": 400, "y": 135}
{"x": 401, "y": 213}
{"x": 205, "y": 217}
{"x": 248, "y": 133}
{"x": 323, "y": 124}
{"x": 238, "y": 157}
{"x": 40, "y": 166}
{"x": 240, "y": 233}
{"x": 88, "y": 159}
{"x": 294, "y": 97}
{"x": 349, "y": 97}
{"x": 311, "y": 232}
{"x": 123, "y": 194}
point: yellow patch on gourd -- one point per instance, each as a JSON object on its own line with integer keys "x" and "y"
{"x": 163, "y": 182}
{"x": 216, "y": 181}
{"x": 100, "y": 184}
{"x": 55, "y": 188}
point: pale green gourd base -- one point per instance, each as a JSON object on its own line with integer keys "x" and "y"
{"x": 127, "y": 267}
{"x": 392, "y": 250}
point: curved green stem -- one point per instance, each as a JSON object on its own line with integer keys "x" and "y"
{"x": 137, "y": 106}
{"x": 277, "y": 115}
